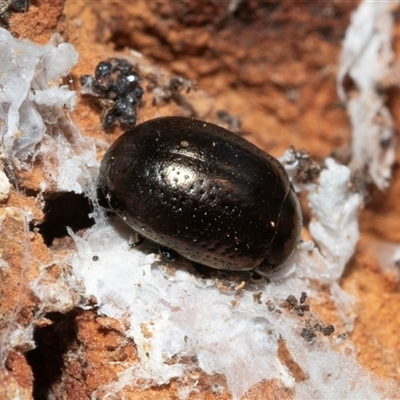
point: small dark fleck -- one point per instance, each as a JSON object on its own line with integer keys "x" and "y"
{"x": 328, "y": 330}
{"x": 233, "y": 123}
{"x": 308, "y": 170}
{"x": 257, "y": 297}
{"x": 308, "y": 334}
{"x": 95, "y": 258}
{"x": 292, "y": 300}
{"x": 91, "y": 301}
{"x": 194, "y": 359}
{"x": 270, "y": 305}
{"x": 342, "y": 336}
{"x": 303, "y": 307}
{"x": 216, "y": 387}
{"x": 303, "y": 297}
{"x": 171, "y": 90}
{"x": 103, "y": 69}
{"x": 385, "y": 143}
{"x": 299, "y": 312}
{"x": 318, "y": 327}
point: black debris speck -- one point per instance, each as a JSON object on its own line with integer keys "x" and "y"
{"x": 303, "y": 297}
{"x": 299, "y": 312}
{"x": 233, "y": 123}
{"x": 328, "y": 330}
{"x": 308, "y": 334}
{"x": 257, "y": 297}
{"x": 292, "y": 300}
{"x": 116, "y": 84}
{"x": 303, "y": 307}
{"x": 171, "y": 90}
{"x": 270, "y": 305}
{"x": 318, "y": 327}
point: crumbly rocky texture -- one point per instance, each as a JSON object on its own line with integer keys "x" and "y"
{"x": 283, "y": 89}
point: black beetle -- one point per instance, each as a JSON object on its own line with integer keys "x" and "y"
{"x": 201, "y": 191}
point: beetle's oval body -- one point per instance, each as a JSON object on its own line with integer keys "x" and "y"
{"x": 203, "y": 192}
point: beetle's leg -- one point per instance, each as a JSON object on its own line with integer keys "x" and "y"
{"x": 167, "y": 254}
{"x": 135, "y": 239}
{"x": 255, "y": 276}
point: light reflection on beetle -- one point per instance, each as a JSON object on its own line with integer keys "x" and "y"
{"x": 203, "y": 192}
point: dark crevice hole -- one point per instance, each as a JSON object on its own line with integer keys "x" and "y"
{"x": 120, "y": 39}
{"x": 46, "y": 359}
{"x": 64, "y": 209}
